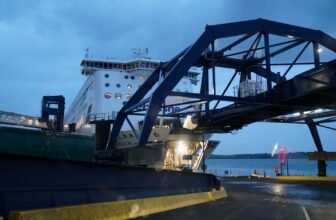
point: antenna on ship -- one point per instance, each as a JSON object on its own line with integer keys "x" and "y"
{"x": 140, "y": 53}
{"x": 86, "y": 56}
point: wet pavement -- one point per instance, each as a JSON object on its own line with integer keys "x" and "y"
{"x": 265, "y": 199}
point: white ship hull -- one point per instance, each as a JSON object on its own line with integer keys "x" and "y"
{"x": 108, "y": 87}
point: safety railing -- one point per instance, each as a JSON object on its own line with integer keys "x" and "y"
{"x": 238, "y": 172}
{"x": 249, "y": 88}
{"x": 101, "y": 116}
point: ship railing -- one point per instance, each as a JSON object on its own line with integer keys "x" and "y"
{"x": 249, "y": 88}
{"x": 199, "y": 157}
{"x": 260, "y": 173}
{"x": 102, "y": 116}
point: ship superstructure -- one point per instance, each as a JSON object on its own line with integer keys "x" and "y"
{"x": 108, "y": 86}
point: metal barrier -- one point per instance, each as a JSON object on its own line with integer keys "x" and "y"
{"x": 101, "y": 116}
{"x": 237, "y": 172}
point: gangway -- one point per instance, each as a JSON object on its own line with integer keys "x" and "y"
{"x": 296, "y": 64}
{"x": 307, "y": 91}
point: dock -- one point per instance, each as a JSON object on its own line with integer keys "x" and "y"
{"x": 298, "y": 198}
{"x": 265, "y": 199}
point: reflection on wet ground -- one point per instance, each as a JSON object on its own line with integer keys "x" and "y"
{"x": 312, "y": 193}
{"x": 265, "y": 199}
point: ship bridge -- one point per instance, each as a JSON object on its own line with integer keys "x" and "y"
{"x": 252, "y": 71}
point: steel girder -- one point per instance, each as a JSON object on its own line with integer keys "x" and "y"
{"x": 172, "y": 71}
{"x": 316, "y": 137}
{"x": 272, "y": 27}
{"x": 307, "y": 91}
{"x": 138, "y": 97}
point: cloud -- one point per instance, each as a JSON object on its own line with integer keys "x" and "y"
{"x": 44, "y": 41}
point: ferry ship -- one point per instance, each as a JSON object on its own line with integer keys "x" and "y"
{"x": 108, "y": 86}
{"x": 64, "y": 164}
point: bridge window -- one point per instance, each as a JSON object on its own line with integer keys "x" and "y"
{"x": 132, "y": 77}
{"x": 118, "y": 85}
{"x": 107, "y": 75}
{"x": 108, "y": 95}
{"x": 118, "y": 96}
{"x": 107, "y": 84}
{"x": 126, "y": 76}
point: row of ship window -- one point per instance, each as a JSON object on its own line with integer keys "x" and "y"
{"x": 142, "y": 77}
{"x": 117, "y": 95}
{"x": 129, "y": 86}
{"x": 121, "y": 66}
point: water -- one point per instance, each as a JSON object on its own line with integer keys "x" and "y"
{"x": 244, "y": 167}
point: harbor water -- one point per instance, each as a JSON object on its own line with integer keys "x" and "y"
{"x": 245, "y": 167}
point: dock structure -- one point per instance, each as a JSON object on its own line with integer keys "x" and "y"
{"x": 291, "y": 79}
{"x": 265, "y": 199}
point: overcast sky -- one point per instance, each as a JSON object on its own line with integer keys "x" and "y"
{"x": 43, "y": 42}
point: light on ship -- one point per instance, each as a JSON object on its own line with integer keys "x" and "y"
{"x": 297, "y": 114}
{"x": 181, "y": 147}
{"x": 188, "y": 124}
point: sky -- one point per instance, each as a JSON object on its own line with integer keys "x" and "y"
{"x": 43, "y": 42}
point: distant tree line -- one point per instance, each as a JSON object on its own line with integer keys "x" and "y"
{"x": 294, "y": 155}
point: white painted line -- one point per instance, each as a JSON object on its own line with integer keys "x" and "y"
{"x": 305, "y": 213}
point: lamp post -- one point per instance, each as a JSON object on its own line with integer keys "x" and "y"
{"x": 282, "y": 155}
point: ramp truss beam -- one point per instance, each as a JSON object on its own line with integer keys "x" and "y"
{"x": 202, "y": 53}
